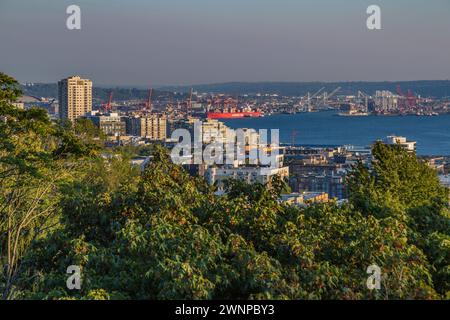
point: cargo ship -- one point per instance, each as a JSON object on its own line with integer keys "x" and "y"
{"x": 233, "y": 115}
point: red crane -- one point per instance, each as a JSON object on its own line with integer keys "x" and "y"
{"x": 148, "y": 106}
{"x": 403, "y": 98}
{"x": 412, "y": 100}
{"x": 107, "y": 106}
{"x": 409, "y": 100}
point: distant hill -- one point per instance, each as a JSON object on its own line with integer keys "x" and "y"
{"x": 429, "y": 88}
{"x": 50, "y": 90}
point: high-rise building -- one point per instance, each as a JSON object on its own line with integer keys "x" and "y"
{"x": 75, "y": 97}
{"x": 386, "y": 101}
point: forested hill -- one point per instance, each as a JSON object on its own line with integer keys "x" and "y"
{"x": 50, "y": 90}
{"x": 437, "y": 89}
{"x": 434, "y": 88}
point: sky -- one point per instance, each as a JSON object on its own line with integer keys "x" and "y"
{"x": 182, "y": 42}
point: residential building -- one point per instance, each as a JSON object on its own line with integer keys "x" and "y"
{"x": 304, "y": 198}
{"x": 75, "y": 97}
{"x": 111, "y": 124}
{"x": 153, "y": 127}
{"x": 410, "y": 146}
{"x": 249, "y": 174}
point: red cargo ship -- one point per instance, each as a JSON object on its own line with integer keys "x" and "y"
{"x": 233, "y": 115}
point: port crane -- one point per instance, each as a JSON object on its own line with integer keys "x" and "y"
{"x": 362, "y": 95}
{"x": 309, "y": 98}
{"x": 327, "y": 97}
{"x": 147, "y": 105}
{"x": 107, "y": 106}
{"x": 409, "y": 100}
{"x": 412, "y": 100}
{"x": 315, "y": 94}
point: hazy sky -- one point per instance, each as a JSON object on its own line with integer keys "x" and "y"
{"x": 156, "y": 42}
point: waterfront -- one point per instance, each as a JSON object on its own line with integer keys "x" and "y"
{"x": 326, "y": 128}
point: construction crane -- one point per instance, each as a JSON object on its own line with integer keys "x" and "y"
{"x": 148, "y": 106}
{"x": 107, "y": 106}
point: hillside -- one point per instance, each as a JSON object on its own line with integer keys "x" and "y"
{"x": 438, "y": 88}
{"x": 50, "y": 90}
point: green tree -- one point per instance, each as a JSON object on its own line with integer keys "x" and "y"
{"x": 165, "y": 235}
{"x": 401, "y": 187}
{"x": 35, "y": 157}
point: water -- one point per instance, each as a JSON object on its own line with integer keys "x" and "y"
{"x": 326, "y": 128}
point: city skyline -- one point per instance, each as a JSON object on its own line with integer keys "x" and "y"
{"x": 177, "y": 43}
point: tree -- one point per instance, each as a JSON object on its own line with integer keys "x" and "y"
{"x": 402, "y": 187}
{"x": 35, "y": 157}
{"x": 165, "y": 235}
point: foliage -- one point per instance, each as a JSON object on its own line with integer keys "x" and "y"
{"x": 403, "y": 187}
{"x": 36, "y": 156}
{"x": 165, "y": 235}
{"x": 162, "y": 234}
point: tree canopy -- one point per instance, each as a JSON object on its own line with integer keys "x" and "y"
{"x": 163, "y": 234}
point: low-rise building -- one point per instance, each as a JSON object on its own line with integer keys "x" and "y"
{"x": 153, "y": 127}
{"x": 111, "y": 123}
{"x": 410, "y": 146}
{"x": 314, "y": 169}
{"x": 249, "y": 174}
{"x": 304, "y": 198}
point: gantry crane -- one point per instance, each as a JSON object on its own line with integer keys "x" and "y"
{"x": 327, "y": 97}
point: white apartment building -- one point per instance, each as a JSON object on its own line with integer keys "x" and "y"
{"x": 410, "y": 146}
{"x": 249, "y": 174}
{"x": 386, "y": 100}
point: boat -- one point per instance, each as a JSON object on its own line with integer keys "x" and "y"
{"x": 233, "y": 115}
{"x": 353, "y": 114}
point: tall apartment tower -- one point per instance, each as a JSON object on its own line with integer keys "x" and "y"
{"x": 75, "y": 97}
